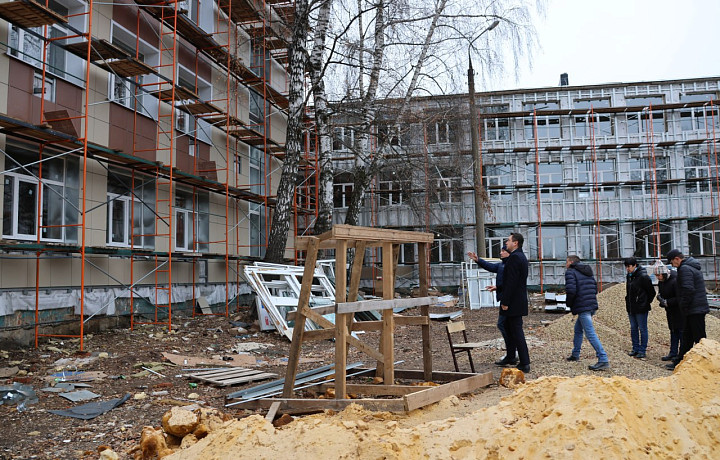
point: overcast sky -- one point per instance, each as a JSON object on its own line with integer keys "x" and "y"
{"x": 622, "y": 41}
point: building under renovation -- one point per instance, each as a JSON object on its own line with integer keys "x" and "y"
{"x": 140, "y": 144}
{"x": 603, "y": 171}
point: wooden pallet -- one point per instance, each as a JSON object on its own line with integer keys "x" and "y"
{"x": 230, "y": 376}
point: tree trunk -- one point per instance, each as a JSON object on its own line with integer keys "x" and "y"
{"x": 324, "y": 145}
{"x": 286, "y": 188}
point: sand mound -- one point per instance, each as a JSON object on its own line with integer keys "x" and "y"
{"x": 672, "y": 417}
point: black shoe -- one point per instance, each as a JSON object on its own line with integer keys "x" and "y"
{"x": 506, "y": 362}
{"x": 668, "y": 357}
{"x": 632, "y": 353}
{"x": 640, "y": 356}
{"x": 599, "y": 366}
{"x": 671, "y": 366}
{"x": 572, "y": 358}
{"x": 523, "y": 367}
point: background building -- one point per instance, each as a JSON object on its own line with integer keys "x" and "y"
{"x": 137, "y": 145}
{"x": 602, "y": 171}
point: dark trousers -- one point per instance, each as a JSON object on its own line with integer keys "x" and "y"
{"x": 515, "y": 339}
{"x": 693, "y": 332}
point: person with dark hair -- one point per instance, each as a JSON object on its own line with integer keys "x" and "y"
{"x": 497, "y": 267}
{"x": 640, "y": 292}
{"x": 514, "y": 303}
{"x": 669, "y": 300}
{"x": 581, "y": 290}
{"x": 692, "y": 300}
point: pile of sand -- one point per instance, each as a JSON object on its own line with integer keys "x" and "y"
{"x": 672, "y": 417}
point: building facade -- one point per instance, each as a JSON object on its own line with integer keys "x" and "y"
{"x": 603, "y": 171}
{"x": 137, "y": 144}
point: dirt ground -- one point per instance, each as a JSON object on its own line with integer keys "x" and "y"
{"x": 36, "y": 433}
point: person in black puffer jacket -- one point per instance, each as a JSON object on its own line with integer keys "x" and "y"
{"x": 692, "y": 299}
{"x": 581, "y": 290}
{"x": 640, "y": 292}
{"x": 668, "y": 299}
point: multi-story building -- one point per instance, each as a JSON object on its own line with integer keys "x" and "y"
{"x": 138, "y": 144}
{"x": 604, "y": 171}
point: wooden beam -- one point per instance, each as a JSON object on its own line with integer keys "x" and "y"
{"x": 299, "y": 329}
{"x": 294, "y": 404}
{"x": 356, "y": 272}
{"x": 319, "y": 334}
{"x": 272, "y": 411}
{"x": 327, "y": 324}
{"x": 423, "y": 269}
{"x": 385, "y": 304}
{"x": 341, "y": 320}
{"x": 418, "y": 374}
{"x": 388, "y": 318}
{"x": 351, "y": 232}
{"x": 374, "y": 390}
{"x": 322, "y": 310}
{"x": 434, "y": 394}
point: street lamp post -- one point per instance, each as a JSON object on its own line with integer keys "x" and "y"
{"x": 477, "y": 168}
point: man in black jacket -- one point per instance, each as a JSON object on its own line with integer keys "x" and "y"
{"x": 692, "y": 299}
{"x": 581, "y": 290}
{"x": 514, "y": 303}
{"x": 668, "y": 299}
{"x": 640, "y": 292}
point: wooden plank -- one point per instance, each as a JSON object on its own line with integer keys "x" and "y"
{"x": 351, "y": 232}
{"x": 294, "y": 404}
{"x": 375, "y": 390}
{"x": 213, "y": 373}
{"x": 388, "y": 332}
{"x": 248, "y": 378}
{"x": 231, "y": 376}
{"x": 325, "y": 323}
{"x": 204, "y": 306}
{"x": 319, "y": 334}
{"x": 385, "y": 304}
{"x": 434, "y": 394}
{"x": 323, "y": 310}
{"x": 418, "y": 374}
{"x": 341, "y": 330}
{"x": 425, "y": 310}
{"x": 356, "y": 272}
{"x": 299, "y": 328}
{"x": 455, "y": 326}
{"x": 272, "y": 411}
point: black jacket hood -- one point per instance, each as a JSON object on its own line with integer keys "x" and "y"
{"x": 582, "y": 268}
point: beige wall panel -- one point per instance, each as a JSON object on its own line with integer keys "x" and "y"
{"x": 15, "y": 273}
{"x": 59, "y": 272}
{"x": 216, "y": 271}
{"x": 120, "y": 270}
{"x": 95, "y": 276}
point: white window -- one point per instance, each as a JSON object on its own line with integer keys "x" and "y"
{"x": 258, "y": 109}
{"x": 48, "y": 89}
{"x": 548, "y": 125}
{"x": 343, "y": 138}
{"x": 704, "y": 237}
{"x": 440, "y": 133}
{"x": 495, "y": 129}
{"x": 588, "y": 238}
{"x": 493, "y": 245}
{"x": 497, "y": 180}
{"x": 593, "y": 124}
{"x": 642, "y": 170}
{"x": 192, "y": 221}
{"x": 445, "y": 185}
{"x": 447, "y": 246}
{"x": 697, "y": 173}
{"x": 129, "y": 92}
{"x": 554, "y": 243}
{"x": 648, "y": 119}
{"x": 186, "y": 123}
{"x": 118, "y": 220}
{"x": 599, "y": 172}
{"x": 56, "y": 196}
{"x": 130, "y": 213}
{"x": 647, "y": 237}
{"x": 28, "y": 44}
{"x": 390, "y": 189}
{"x": 700, "y": 118}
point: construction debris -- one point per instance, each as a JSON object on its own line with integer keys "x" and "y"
{"x": 91, "y": 410}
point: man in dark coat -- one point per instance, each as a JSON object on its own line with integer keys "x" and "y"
{"x": 692, "y": 299}
{"x": 497, "y": 267}
{"x": 640, "y": 292}
{"x": 514, "y": 304}
{"x": 581, "y": 290}
{"x": 669, "y": 300}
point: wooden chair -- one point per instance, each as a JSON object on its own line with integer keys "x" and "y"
{"x": 455, "y": 348}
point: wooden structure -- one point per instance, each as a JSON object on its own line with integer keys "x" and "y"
{"x": 341, "y": 238}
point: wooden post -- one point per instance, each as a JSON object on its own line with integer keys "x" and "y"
{"x": 341, "y": 330}
{"x": 299, "y": 328}
{"x": 388, "y": 332}
{"x": 425, "y": 310}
